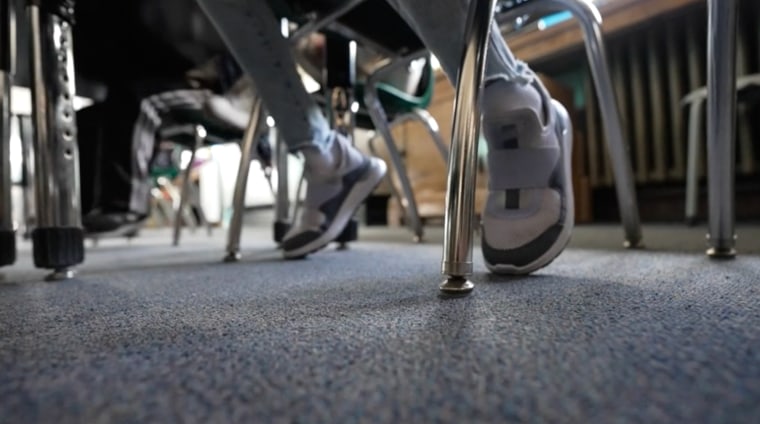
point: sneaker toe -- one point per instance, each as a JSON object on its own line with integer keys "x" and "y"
{"x": 300, "y": 239}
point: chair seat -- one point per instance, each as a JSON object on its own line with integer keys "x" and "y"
{"x": 395, "y": 101}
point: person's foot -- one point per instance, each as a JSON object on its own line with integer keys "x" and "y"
{"x": 338, "y": 181}
{"x": 112, "y": 224}
{"x": 529, "y": 214}
{"x": 234, "y": 107}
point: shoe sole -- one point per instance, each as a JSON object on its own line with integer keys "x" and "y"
{"x": 566, "y": 141}
{"x": 356, "y": 196}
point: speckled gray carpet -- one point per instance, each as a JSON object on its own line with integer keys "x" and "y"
{"x": 148, "y": 333}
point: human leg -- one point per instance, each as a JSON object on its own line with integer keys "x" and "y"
{"x": 339, "y": 177}
{"x": 117, "y": 138}
{"x": 528, "y": 216}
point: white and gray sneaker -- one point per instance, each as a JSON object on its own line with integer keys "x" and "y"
{"x": 233, "y": 107}
{"x": 338, "y": 181}
{"x": 529, "y": 214}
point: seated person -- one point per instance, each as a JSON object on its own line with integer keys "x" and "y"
{"x": 528, "y": 217}
{"x": 135, "y": 50}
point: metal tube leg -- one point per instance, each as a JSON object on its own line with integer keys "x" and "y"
{"x": 202, "y": 214}
{"x": 27, "y": 147}
{"x": 721, "y": 123}
{"x": 460, "y": 195}
{"x": 692, "y": 161}
{"x": 409, "y": 201}
{"x": 238, "y": 199}
{"x": 394, "y": 192}
{"x": 7, "y": 57}
{"x": 59, "y": 238}
{"x": 591, "y": 20}
{"x": 200, "y": 136}
{"x": 282, "y": 196}
{"x": 380, "y": 119}
{"x": 426, "y": 119}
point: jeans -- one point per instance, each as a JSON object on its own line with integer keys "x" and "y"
{"x": 252, "y": 32}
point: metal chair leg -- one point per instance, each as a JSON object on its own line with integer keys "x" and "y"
{"x": 200, "y": 137}
{"x": 7, "y": 59}
{"x": 591, "y": 24}
{"x": 238, "y": 200}
{"x": 59, "y": 238}
{"x": 7, "y": 233}
{"x": 431, "y": 125}
{"x": 202, "y": 214}
{"x": 394, "y": 191}
{"x": 380, "y": 120}
{"x": 460, "y": 195}
{"x": 282, "y": 196}
{"x": 692, "y": 161}
{"x": 409, "y": 201}
{"x": 27, "y": 147}
{"x": 721, "y": 123}
{"x": 629, "y": 210}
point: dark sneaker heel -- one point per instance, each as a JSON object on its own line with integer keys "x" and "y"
{"x": 339, "y": 210}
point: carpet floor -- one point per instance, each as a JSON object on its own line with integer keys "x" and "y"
{"x": 151, "y": 333}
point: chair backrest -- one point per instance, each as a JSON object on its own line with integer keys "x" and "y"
{"x": 396, "y": 100}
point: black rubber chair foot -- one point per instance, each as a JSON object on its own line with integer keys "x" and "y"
{"x": 350, "y": 232}
{"x": 280, "y": 229}
{"x": 58, "y": 248}
{"x": 7, "y": 247}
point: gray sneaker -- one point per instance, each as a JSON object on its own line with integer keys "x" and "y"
{"x": 529, "y": 214}
{"x": 337, "y": 183}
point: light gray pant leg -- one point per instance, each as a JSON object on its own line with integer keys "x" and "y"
{"x": 252, "y": 33}
{"x": 440, "y": 25}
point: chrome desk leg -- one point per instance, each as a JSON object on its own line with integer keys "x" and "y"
{"x": 7, "y": 46}
{"x": 58, "y": 239}
{"x": 460, "y": 195}
{"x": 238, "y": 199}
{"x": 200, "y": 137}
{"x": 692, "y": 161}
{"x": 282, "y": 196}
{"x": 721, "y": 123}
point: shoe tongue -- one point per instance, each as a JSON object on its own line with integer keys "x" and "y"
{"x": 543, "y": 101}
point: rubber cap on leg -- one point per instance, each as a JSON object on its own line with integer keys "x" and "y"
{"x": 350, "y": 233}
{"x": 57, "y": 248}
